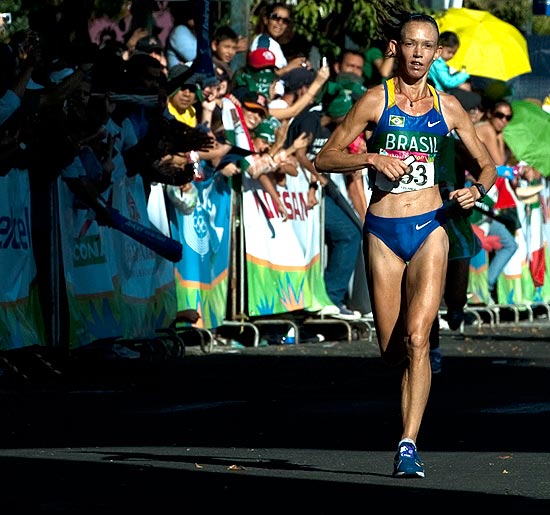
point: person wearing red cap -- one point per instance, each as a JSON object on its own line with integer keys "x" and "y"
{"x": 261, "y": 58}
{"x": 259, "y": 72}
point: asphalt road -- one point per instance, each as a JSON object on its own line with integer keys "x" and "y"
{"x": 308, "y": 428}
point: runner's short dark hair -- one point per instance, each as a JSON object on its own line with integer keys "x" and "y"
{"x": 419, "y": 17}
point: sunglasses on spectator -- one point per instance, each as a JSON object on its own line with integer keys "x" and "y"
{"x": 282, "y": 19}
{"x": 501, "y": 116}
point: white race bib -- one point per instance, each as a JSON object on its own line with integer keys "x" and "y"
{"x": 421, "y": 173}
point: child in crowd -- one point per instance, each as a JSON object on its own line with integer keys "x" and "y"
{"x": 440, "y": 73}
{"x": 224, "y": 45}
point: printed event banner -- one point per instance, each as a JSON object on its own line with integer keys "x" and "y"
{"x": 201, "y": 276}
{"x": 145, "y": 280}
{"x": 116, "y": 287}
{"x": 283, "y": 259}
{"x": 89, "y": 272}
{"x": 21, "y": 322}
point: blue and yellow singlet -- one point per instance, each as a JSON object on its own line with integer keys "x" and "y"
{"x": 401, "y": 135}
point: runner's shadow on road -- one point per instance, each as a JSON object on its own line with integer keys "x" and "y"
{"x": 48, "y": 486}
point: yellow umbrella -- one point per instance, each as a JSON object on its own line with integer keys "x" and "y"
{"x": 489, "y": 47}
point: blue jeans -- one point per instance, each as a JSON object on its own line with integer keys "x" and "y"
{"x": 343, "y": 240}
{"x": 501, "y": 256}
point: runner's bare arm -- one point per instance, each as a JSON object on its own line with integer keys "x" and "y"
{"x": 458, "y": 119}
{"x": 333, "y": 158}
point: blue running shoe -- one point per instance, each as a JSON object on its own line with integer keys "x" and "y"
{"x": 407, "y": 462}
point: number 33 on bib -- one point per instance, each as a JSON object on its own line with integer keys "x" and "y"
{"x": 421, "y": 173}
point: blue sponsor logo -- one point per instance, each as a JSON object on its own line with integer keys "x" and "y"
{"x": 15, "y": 232}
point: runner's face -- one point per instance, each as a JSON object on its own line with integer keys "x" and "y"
{"x": 418, "y": 48}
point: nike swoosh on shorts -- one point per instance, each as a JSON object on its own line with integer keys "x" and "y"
{"x": 418, "y": 227}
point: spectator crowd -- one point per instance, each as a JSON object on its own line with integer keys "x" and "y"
{"x": 143, "y": 171}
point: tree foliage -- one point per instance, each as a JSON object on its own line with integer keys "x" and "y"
{"x": 332, "y": 24}
{"x": 328, "y": 24}
{"x": 19, "y": 20}
{"x": 517, "y": 12}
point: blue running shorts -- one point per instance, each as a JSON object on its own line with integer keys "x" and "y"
{"x": 404, "y": 236}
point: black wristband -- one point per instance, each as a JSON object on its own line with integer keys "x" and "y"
{"x": 481, "y": 189}
{"x": 314, "y": 185}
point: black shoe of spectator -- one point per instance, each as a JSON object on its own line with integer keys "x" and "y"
{"x": 454, "y": 318}
{"x": 469, "y": 318}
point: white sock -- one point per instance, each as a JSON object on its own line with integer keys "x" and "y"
{"x": 406, "y": 440}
